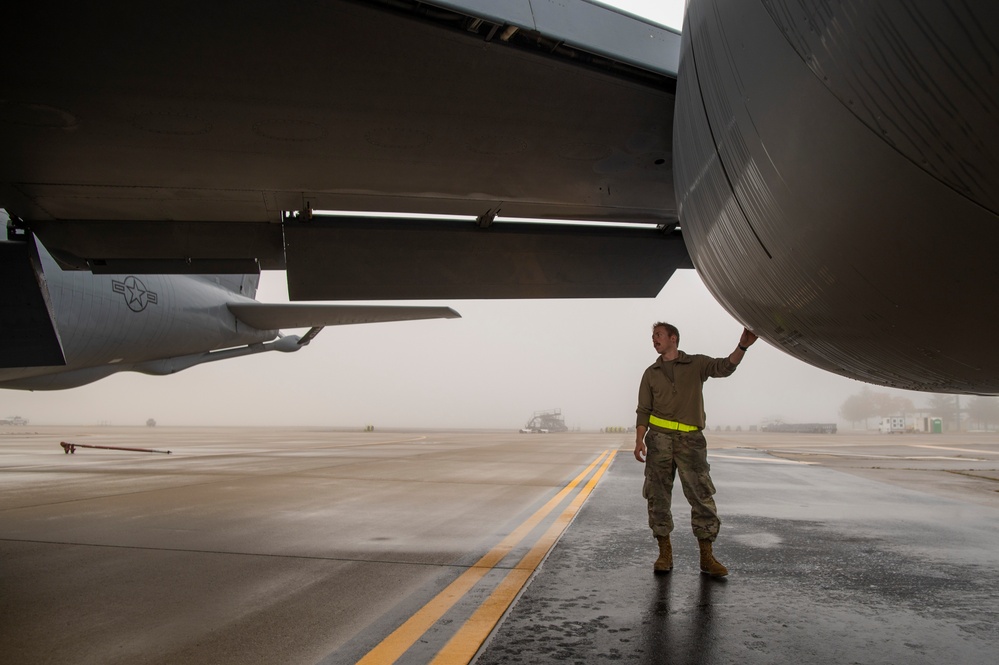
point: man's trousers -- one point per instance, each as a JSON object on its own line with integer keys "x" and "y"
{"x": 683, "y": 453}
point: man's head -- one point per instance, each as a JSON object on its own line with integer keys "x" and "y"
{"x": 665, "y": 337}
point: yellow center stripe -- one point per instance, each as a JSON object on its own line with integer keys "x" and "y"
{"x": 403, "y": 637}
{"x": 466, "y": 642}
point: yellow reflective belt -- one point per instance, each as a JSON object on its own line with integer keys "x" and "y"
{"x": 671, "y": 424}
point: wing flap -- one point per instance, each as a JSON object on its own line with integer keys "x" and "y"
{"x": 272, "y": 316}
{"x": 384, "y": 259}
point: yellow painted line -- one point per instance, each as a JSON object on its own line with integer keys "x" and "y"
{"x": 461, "y": 648}
{"x": 403, "y": 637}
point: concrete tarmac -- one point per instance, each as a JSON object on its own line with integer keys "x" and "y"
{"x": 316, "y": 546}
{"x": 256, "y": 545}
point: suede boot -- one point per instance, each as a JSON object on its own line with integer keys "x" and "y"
{"x": 709, "y": 564}
{"x": 664, "y": 563}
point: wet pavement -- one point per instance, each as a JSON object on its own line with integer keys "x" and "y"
{"x": 257, "y": 545}
{"x": 826, "y": 567}
{"x": 313, "y": 546}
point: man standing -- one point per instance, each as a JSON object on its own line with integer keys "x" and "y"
{"x": 668, "y": 440}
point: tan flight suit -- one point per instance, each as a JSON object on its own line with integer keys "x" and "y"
{"x": 672, "y": 391}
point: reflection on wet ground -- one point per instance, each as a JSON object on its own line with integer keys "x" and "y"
{"x": 827, "y": 567}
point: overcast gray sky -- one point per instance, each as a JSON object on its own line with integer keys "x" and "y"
{"x": 493, "y": 368}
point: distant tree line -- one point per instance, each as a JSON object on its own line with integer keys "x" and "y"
{"x": 983, "y": 412}
{"x": 868, "y": 404}
{"x": 980, "y": 412}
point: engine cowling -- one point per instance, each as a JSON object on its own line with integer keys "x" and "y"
{"x": 837, "y": 177}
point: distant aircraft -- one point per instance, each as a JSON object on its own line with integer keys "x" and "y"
{"x": 830, "y": 169}
{"x": 68, "y": 328}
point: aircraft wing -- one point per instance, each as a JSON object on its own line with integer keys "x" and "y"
{"x": 176, "y": 138}
{"x": 268, "y": 316}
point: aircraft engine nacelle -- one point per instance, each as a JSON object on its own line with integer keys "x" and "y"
{"x": 837, "y": 177}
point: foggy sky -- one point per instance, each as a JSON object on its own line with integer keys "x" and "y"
{"x": 493, "y": 368}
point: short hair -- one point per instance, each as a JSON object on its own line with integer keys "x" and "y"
{"x": 671, "y": 330}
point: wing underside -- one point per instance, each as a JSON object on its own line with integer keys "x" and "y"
{"x": 180, "y": 151}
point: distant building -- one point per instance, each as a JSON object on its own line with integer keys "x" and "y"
{"x": 920, "y": 422}
{"x": 893, "y": 425}
{"x": 924, "y": 422}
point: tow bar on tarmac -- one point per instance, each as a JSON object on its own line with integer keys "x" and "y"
{"x": 71, "y": 448}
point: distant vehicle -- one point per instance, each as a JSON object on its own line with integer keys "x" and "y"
{"x": 893, "y": 425}
{"x": 543, "y": 422}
